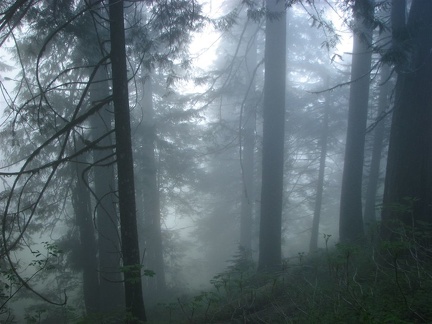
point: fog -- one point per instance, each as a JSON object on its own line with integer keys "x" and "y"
{"x": 259, "y": 138}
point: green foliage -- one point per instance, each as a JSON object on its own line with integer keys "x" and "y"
{"x": 227, "y": 21}
{"x": 135, "y": 271}
{"x": 44, "y": 313}
{"x": 46, "y": 259}
{"x": 106, "y": 318}
{"x": 149, "y": 273}
{"x": 386, "y": 283}
{"x": 35, "y": 317}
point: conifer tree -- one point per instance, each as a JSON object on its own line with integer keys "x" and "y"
{"x": 270, "y": 235}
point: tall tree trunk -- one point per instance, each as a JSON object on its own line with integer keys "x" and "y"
{"x": 88, "y": 252}
{"x": 369, "y": 216}
{"x": 107, "y": 222}
{"x": 273, "y": 139}
{"x": 351, "y": 216}
{"x": 321, "y": 172}
{"x": 149, "y": 193}
{"x": 408, "y": 185}
{"x": 248, "y": 147}
{"x": 126, "y": 186}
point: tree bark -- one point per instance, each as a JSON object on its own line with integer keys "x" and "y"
{"x": 149, "y": 193}
{"x": 408, "y": 185}
{"x": 107, "y": 222}
{"x": 248, "y": 147}
{"x": 126, "y": 187}
{"x": 105, "y": 194}
{"x": 90, "y": 47}
{"x": 313, "y": 246}
{"x": 88, "y": 252}
{"x": 273, "y": 139}
{"x": 369, "y": 216}
{"x": 351, "y": 216}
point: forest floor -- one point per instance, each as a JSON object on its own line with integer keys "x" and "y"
{"x": 386, "y": 282}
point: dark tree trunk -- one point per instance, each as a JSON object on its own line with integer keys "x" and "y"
{"x": 321, "y": 172}
{"x": 248, "y": 147}
{"x": 273, "y": 139}
{"x": 351, "y": 216}
{"x": 408, "y": 185}
{"x": 88, "y": 253}
{"x": 126, "y": 187}
{"x": 107, "y": 221}
{"x": 149, "y": 193}
{"x": 369, "y": 216}
{"x": 106, "y": 216}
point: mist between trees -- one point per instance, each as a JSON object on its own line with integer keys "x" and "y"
{"x": 164, "y": 161}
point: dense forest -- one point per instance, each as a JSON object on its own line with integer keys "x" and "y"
{"x": 216, "y": 161}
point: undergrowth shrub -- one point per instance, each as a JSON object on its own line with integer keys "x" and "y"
{"x": 389, "y": 282}
{"x": 380, "y": 282}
